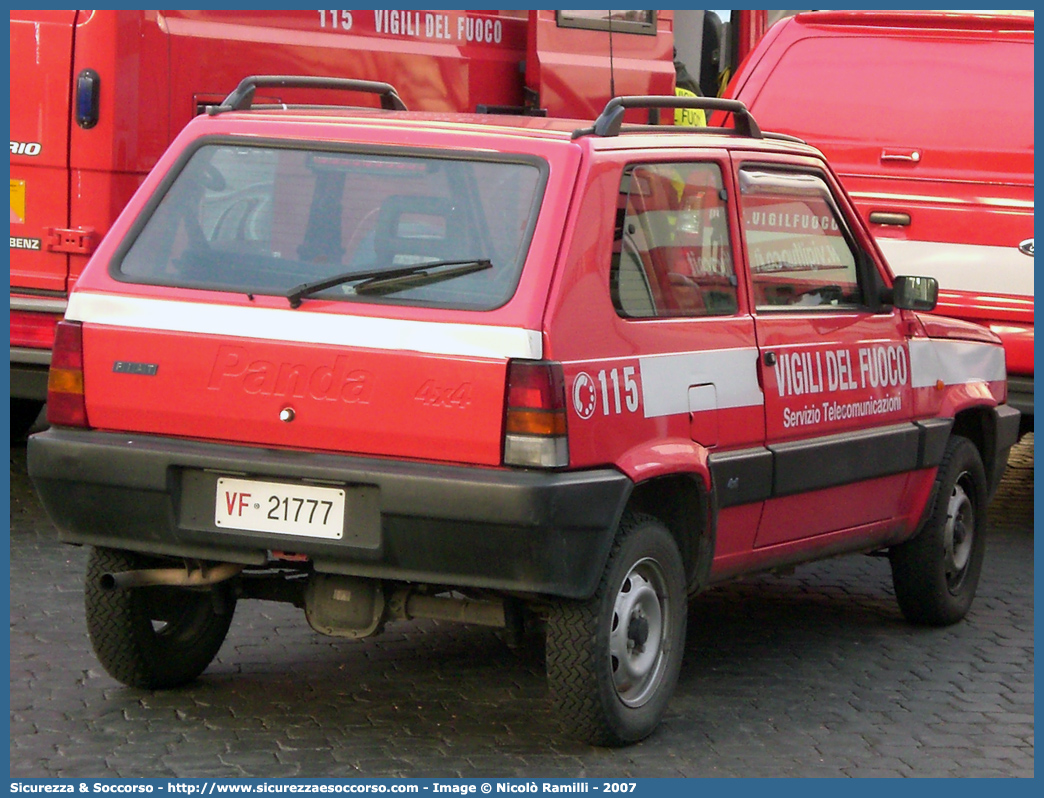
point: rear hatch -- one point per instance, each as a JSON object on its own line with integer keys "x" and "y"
{"x": 214, "y": 323}
{"x": 41, "y": 68}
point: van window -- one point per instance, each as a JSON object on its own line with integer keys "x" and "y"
{"x": 944, "y": 97}
{"x": 263, "y": 220}
{"x": 617, "y": 21}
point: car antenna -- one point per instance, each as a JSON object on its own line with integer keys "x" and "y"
{"x": 612, "y": 76}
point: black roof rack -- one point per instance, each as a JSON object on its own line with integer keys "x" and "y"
{"x": 242, "y": 96}
{"x": 610, "y": 121}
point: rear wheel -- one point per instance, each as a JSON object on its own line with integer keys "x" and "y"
{"x": 153, "y": 637}
{"x": 613, "y": 660}
{"x": 936, "y": 573}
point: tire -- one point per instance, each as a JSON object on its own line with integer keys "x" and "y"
{"x": 613, "y": 660}
{"x": 153, "y": 637}
{"x": 24, "y": 413}
{"x": 936, "y": 573}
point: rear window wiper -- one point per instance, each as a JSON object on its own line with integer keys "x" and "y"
{"x": 386, "y": 281}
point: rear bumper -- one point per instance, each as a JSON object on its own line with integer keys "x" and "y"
{"x": 454, "y": 526}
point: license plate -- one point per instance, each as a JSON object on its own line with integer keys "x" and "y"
{"x": 281, "y": 508}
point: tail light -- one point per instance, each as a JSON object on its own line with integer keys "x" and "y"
{"x": 535, "y": 415}
{"x": 33, "y": 330}
{"x": 66, "y": 406}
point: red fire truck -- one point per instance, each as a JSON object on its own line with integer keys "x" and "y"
{"x": 98, "y": 95}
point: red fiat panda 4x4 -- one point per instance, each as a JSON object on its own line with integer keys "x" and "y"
{"x": 389, "y": 365}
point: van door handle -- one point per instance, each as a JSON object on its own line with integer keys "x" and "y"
{"x": 890, "y": 217}
{"x": 907, "y": 156}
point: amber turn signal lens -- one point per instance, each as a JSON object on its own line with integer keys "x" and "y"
{"x": 65, "y": 381}
{"x": 536, "y": 422}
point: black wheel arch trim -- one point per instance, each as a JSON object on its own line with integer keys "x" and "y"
{"x": 1001, "y": 433}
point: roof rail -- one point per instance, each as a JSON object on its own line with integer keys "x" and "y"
{"x": 242, "y": 96}
{"x": 936, "y": 20}
{"x": 610, "y": 121}
{"x": 783, "y": 137}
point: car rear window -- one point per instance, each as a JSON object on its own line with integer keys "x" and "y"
{"x": 267, "y": 219}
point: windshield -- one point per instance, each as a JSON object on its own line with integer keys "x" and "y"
{"x": 267, "y": 220}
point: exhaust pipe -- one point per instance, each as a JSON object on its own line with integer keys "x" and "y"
{"x": 171, "y": 577}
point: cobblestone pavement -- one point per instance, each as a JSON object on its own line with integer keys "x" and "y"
{"x": 812, "y": 674}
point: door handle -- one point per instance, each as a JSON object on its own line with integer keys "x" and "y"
{"x": 890, "y": 217}
{"x": 906, "y": 156}
{"x": 770, "y": 359}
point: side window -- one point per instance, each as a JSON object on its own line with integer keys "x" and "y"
{"x": 800, "y": 252}
{"x": 617, "y": 21}
{"x": 671, "y": 254}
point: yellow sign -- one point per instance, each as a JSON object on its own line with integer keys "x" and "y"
{"x": 17, "y": 202}
{"x": 688, "y": 117}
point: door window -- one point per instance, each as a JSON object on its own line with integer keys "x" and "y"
{"x": 800, "y": 251}
{"x": 671, "y": 253}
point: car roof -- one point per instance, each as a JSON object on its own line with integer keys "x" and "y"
{"x": 553, "y": 128}
{"x": 548, "y": 129}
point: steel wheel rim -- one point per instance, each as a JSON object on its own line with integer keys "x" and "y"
{"x": 958, "y": 534}
{"x": 638, "y": 633}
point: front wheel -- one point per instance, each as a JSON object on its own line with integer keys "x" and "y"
{"x": 153, "y": 637}
{"x": 936, "y": 573}
{"x": 613, "y": 660}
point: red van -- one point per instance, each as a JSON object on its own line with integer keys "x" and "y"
{"x": 928, "y": 119}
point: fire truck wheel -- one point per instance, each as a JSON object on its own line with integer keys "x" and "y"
{"x": 24, "y": 413}
{"x": 935, "y": 574}
{"x": 153, "y": 637}
{"x": 613, "y": 660}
